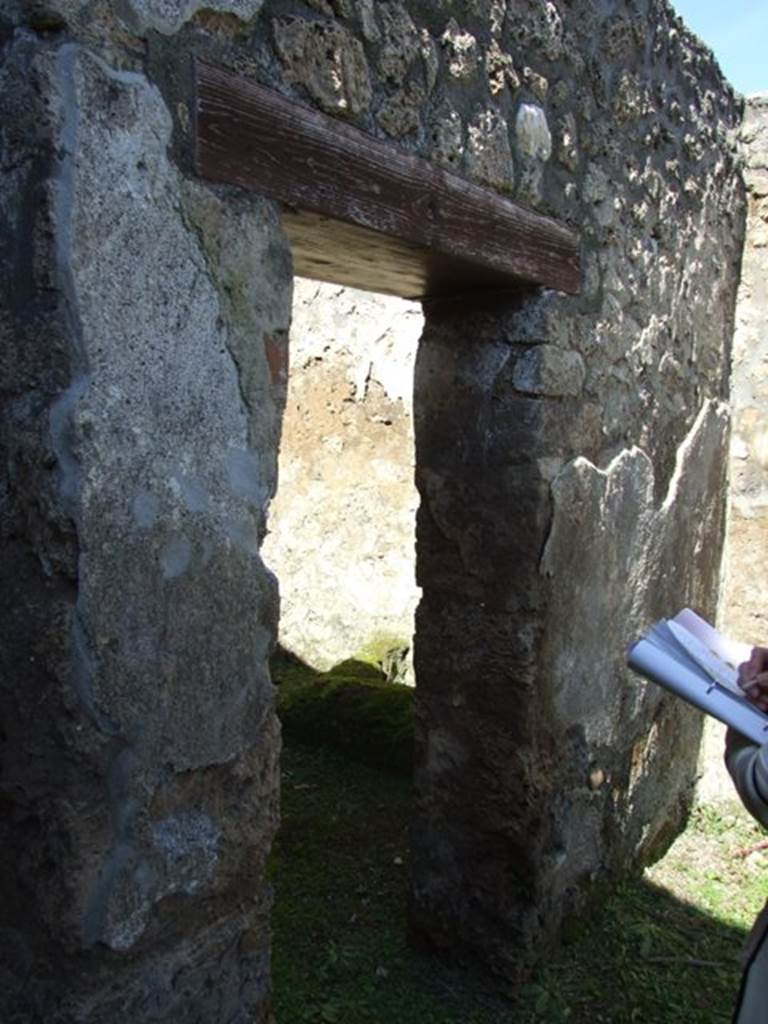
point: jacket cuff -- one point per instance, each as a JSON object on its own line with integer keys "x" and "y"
{"x": 761, "y": 772}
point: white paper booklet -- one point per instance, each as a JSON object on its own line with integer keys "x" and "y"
{"x": 689, "y": 657}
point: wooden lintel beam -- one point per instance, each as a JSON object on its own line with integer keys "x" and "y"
{"x": 363, "y": 212}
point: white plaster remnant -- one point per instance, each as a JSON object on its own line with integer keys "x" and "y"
{"x": 607, "y": 527}
{"x": 532, "y": 132}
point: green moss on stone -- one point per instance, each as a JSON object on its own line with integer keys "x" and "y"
{"x": 352, "y": 707}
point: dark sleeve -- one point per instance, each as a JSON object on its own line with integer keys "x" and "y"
{"x": 748, "y": 767}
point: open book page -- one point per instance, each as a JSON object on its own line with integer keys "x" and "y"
{"x": 718, "y": 670}
{"x": 732, "y": 652}
{"x": 672, "y": 656}
{"x": 687, "y": 650}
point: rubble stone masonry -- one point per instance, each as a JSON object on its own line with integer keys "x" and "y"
{"x": 570, "y": 460}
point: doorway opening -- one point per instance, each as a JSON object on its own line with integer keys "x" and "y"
{"x": 342, "y": 525}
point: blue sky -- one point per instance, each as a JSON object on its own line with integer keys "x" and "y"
{"x": 737, "y": 32}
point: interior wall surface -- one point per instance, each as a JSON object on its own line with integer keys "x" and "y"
{"x": 342, "y": 526}
{"x": 562, "y": 445}
{"x": 743, "y": 612}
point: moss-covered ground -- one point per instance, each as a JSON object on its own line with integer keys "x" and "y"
{"x": 664, "y": 949}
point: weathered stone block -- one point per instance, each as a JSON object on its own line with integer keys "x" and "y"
{"x": 489, "y": 155}
{"x": 328, "y": 61}
{"x": 548, "y": 370}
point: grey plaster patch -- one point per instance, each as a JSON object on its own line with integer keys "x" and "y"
{"x": 244, "y": 472}
{"x": 193, "y": 492}
{"x": 176, "y": 557}
{"x": 188, "y": 843}
{"x": 243, "y": 534}
{"x": 181, "y": 858}
{"x": 62, "y": 438}
{"x": 145, "y": 508}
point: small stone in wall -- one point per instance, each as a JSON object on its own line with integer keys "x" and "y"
{"x": 540, "y": 28}
{"x": 537, "y": 83}
{"x": 447, "y": 137}
{"x": 400, "y": 114}
{"x": 530, "y": 182}
{"x": 327, "y": 61}
{"x": 630, "y": 101}
{"x": 402, "y": 43}
{"x": 489, "y": 157}
{"x": 431, "y": 59}
{"x": 618, "y": 37}
{"x": 500, "y": 69}
{"x": 598, "y": 193}
{"x": 551, "y": 371}
{"x": 496, "y": 14}
{"x": 567, "y": 148}
{"x": 323, "y": 6}
{"x": 462, "y": 51}
{"x": 360, "y": 11}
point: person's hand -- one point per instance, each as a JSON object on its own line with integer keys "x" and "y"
{"x": 753, "y": 678}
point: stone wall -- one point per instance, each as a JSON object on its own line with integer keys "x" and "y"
{"x": 571, "y": 461}
{"x": 140, "y": 743}
{"x": 744, "y": 612}
{"x": 342, "y": 526}
{"x": 569, "y": 458}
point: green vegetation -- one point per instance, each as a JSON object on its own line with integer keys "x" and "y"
{"x": 352, "y": 708}
{"x": 663, "y": 949}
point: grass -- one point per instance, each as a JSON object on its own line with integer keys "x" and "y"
{"x": 663, "y": 950}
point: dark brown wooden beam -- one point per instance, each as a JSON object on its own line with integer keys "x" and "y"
{"x": 362, "y": 213}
